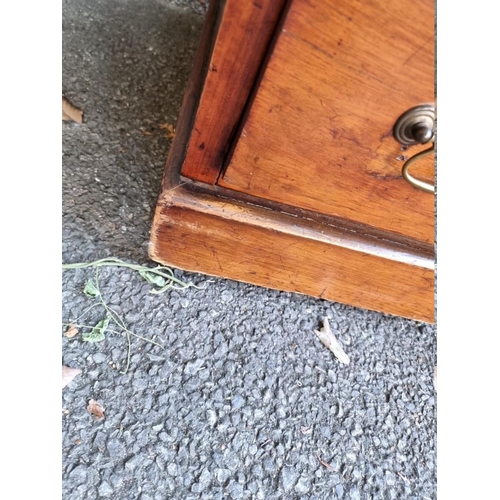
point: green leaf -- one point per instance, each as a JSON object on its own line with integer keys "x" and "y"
{"x": 97, "y": 333}
{"x": 153, "y": 279}
{"x": 90, "y": 289}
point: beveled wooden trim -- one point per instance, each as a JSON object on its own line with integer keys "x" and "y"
{"x": 348, "y": 229}
{"x": 204, "y": 233}
{"x": 238, "y": 33}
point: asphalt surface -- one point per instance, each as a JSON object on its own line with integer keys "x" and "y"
{"x": 239, "y": 399}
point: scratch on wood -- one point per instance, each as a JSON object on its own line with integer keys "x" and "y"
{"x": 418, "y": 50}
{"x": 214, "y": 253}
{"x": 315, "y": 47}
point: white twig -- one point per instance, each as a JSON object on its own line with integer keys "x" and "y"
{"x": 329, "y": 340}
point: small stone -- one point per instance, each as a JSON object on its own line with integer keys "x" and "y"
{"x": 351, "y": 456}
{"x": 222, "y": 475}
{"x": 303, "y": 486}
{"x": 237, "y": 401}
{"x": 268, "y": 465}
{"x": 325, "y": 431}
{"x": 257, "y": 471}
{"x": 236, "y": 419}
{"x": 281, "y": 412}
{"x": 155, "y": 358}
{"x": 357, "y": 431}
{"x": 212, "y": 417}
{"x": 99, "y": 357}
{"x": 339, "y": 489}
{"x": 132, "y": 463}
{"x": 172, "y": 469}
{"x": 105, "y": 489}
{"x": 235, "y": 490}
{"x": 259, "y": 414}
{"x": 390, "y": 478}
{"x": 140, "y": 383}
{"x": 100, "y": 440}
{"x": 253, "y": 487}
{"x": 116, "y": 448}
{"x": 205, "y": 478}
{"x": 218, "y": 458}
{"x": 93, "y": 374}
{"x": 79, "y": 474}
{"x": 116, "y": 480}
{"x": 370, "y": 415}
{"x": 232, "y": 461}
{"x": 354, "y": 493}
{"x": 239, "y": 443}
{"x": 193, "y": 366}
{"x": 288, "y": 478}
{"x": 188, "y": 480}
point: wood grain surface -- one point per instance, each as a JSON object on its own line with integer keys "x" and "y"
{"x": 220, "y": 237}
{"x": 318, "y": 133}
{"x": 244, "y": 31}
{"x": 315, "y": 236}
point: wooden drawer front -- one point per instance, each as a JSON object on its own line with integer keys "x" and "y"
{"x": 318, "y": 132}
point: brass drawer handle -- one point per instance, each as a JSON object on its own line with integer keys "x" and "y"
{"x": 417, "y": 183}
{"x": 417, "y": 126}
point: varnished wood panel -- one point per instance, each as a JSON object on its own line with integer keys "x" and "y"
{"x": 257, "y": 239}
{"x": 191, "y": 99}
{"x": 318, "y": 134}
{"x": 222, "y": 237}
{"x": 243, "y": 32}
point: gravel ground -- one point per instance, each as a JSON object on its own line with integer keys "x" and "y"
{"x": 239, "y": 399}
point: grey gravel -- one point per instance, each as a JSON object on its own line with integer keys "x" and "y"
{"x": 242, "y": 399}
{"x": 99, "y": 357}
{"x": 105, "y": 489}
{"x": 339, "y": 490}
{"x": 235, "y": 490}
{"x": 303, "y": 486}
{"x": 237, "y": 401}
{"x": 289, "y": 477}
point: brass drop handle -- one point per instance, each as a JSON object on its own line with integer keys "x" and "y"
{"x": 418, "y": 183}
{"x": 416, "y": 126}
{"x": 422, "y": 132}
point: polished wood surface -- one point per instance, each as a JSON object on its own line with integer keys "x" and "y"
{"x": 231, "y": 65}
{"x": 222, "y": 237}
{"x": 293, "y": 241}
{"x": 318, "y": 133}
